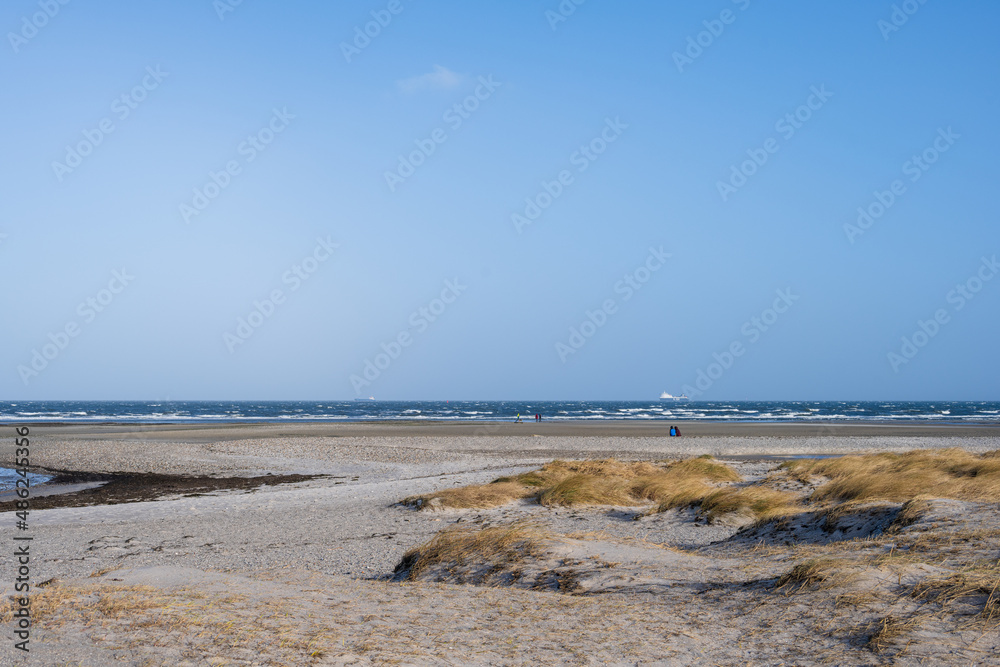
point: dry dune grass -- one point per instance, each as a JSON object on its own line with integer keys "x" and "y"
{"x": 759, "y": 502}
{"x": 942, "y": 473}
{"x": 112, "y": 603}
{"x": 599, "y": 482}
{"x": 912, "y": 511}
{"x": 883, "y": 632}
{"x": 978, "y": 587}
{"x": 704, "y": 467}
{"x": 100, "y": 603}
{"x": 686, "y": 483}
{"x": 611, "y": 482}
{"x": 586, "y": 489}
{"x": 497, "y": 546}
{"x": 478, "y": 496}
{"x": 209, "y": 622}
{"x": 816, "y": 573}
{"x": 683, "y": 492}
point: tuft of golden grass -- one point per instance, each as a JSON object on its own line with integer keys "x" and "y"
{"x": 815, "y": 573}
{"x": 941, "y": 473}
{"x": 584, "y": 489}
{"x": 499, "y": 546}
{"x": 612, "y": 482}
{"x": 480, "y": 496}
{"x": 704, "y": 468}
{"x": 145, "y": 615}
{"x": 680, "y": 493}
{"x": 101, "y": 572}
{"x": 856, "y": 599}
{"x": 111, "y": 602}
{"x": 912, "y": 511}
{"x": 592, "y": 482}
{"x": 599, "y": 468}
{"x": 759, "y": 502}
{"x": 978, "y": 586}
{"x": 884, "y": 631}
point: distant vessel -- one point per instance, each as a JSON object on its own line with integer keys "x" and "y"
{"x": 370, "y": 398}
{"x": 670, "y": 397}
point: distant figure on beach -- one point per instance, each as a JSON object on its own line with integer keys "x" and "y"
{"x": 538, "y": 417}
{"x": 518, "y": 420}
{"x": 677, "y": 432}
{"x": 673, "y": 431}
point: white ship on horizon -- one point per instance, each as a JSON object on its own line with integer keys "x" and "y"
{"x": 670, "y": 397}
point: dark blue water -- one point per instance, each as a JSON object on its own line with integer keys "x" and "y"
{"x": 987, "y": 412}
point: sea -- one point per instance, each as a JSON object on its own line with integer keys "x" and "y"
{"x": 150, "y": 412}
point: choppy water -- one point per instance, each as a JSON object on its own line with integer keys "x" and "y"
{"x": 987, "y": 412}
{"x": 8, "y": 479}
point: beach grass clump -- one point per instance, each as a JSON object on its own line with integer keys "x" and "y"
{"x": 610, "y": 482}
{"x": 49, "y": 605}
{"x": 43, "y": 602}
{"x": 884, "y": 631}
{"x": 218, "y": 624}
{"x": 584, "y": 489}
{"x": 979, "y": 587}
{"x": 940, "y": 473}
{"x": 498, "y": 546}
{"x": 758, "y": 502}
{"x": 704, "y": 467}
{"x": 592, "y": 482}
{"x": 816, "y": 573}
{"x": 673, "y": 493}
{"x": 686, "y": 483}
{"x": 913, "y": 510}
{"x": 475, "y": 496}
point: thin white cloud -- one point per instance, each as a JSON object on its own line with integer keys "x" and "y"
{"x": 438, "y": 79}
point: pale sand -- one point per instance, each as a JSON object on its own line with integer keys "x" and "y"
{"x": 304, "y": 565}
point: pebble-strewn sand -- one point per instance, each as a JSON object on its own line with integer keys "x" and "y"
{"x": 344, "y": 534}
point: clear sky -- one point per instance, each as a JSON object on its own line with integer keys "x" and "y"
{"x": 520, "y": 199}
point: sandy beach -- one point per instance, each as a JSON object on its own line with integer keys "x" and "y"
{"x": 306, "y": 568}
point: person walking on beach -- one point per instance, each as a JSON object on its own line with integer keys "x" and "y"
{"x": 538, "y": 417}
{"x": 673, "y": 431}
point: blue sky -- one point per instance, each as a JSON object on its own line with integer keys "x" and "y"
{"x": 372, "y": 177}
